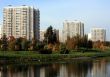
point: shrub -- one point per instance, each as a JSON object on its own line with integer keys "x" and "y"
{"x": 64, "y": 50}
{"x": 45, "y": 51}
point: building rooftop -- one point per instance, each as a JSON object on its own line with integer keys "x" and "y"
{"x": 23, "y": 6}
{"x": 98, "y": 29}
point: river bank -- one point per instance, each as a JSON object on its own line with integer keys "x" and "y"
{"x": 24, "y": 56}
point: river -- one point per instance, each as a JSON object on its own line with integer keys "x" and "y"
{"x": 77, "y": 68}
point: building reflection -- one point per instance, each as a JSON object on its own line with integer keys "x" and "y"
{"x": 99, "y": 68}
{"x": 76, "y": 69}
{"x": 42, "y": 72}
{"x": 63, "y": 71}
{"x": 29, "y": 71}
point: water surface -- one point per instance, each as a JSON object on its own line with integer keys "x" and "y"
{"x": 77, "y": 68}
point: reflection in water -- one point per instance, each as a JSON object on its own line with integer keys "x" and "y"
{"x": 42, "y": 72}
{"x": 63, "y": 71}
{"x": 97, "y": 68}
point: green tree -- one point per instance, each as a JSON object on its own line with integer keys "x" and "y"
{"x": 77, "y": 41}
{"x": 24, "y": 44}
{"x": 84, "y": 41}
{"x": 63, "y": 49}
{"x": 50, "y": 36}
{"x": 90, "y": 44}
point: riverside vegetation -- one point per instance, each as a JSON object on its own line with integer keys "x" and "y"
{"x": 50, "y": 49}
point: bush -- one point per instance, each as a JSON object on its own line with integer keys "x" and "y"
{"x": 45, "y": 51}
{"x": 63, "y": 50}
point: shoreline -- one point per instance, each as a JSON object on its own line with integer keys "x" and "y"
{"x": 24, "y": 57}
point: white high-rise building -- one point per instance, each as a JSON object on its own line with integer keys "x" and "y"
{"x": 21, "y": 21}
{"x": 72, "y": 28}
{"x": 98, "y": 34}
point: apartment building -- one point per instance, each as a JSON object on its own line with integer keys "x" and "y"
{"x": 21, "y": 21}
{"x": 98, "y": 34}
{"x": 72, "y": 28}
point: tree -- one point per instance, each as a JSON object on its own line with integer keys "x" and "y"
{"x": 0, "y": 44}
{"x": 11, "y": 43}
{"x": 24, "y": 44}
{"x": 32, "y": 46}
{"x": 18, "y": 44}
{"x": 63, "y": 49}
{"x": 54, "y": 37}
{"x": 90, "y": 44}
{"x": 70, "y": 43}
{"x": 84, "y": 41}
{"x": 4, "y": 41}
{"x": 78, "y": 42}
{"x": 50, "y": 36}
{"x": 99, "y": 45}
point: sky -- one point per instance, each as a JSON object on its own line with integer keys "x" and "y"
{"x": 93, "y": 13}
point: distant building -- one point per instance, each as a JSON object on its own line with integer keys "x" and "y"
{"x": 98, "y": 34}
{"x": 89, "y": 36}
{"x": 60, "y": 36}
{"x": 42, "y": 32}
{"x": 72, "y": 28}
{"x": 21, "y": 21}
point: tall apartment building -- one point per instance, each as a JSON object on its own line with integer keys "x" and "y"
{"x": 72, "y": 28}
{"x": 21, "y": 21}
{"x": 98, "y": 34}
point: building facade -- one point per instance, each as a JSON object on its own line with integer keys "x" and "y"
{"x": 98, "y": 34}
{"x": 21, "y": 21}
{"x": 72, "y": 28}
{"x": 89, "y": 36}
{"x": 42, "y": 32}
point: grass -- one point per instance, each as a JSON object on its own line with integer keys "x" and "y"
{"x": 25, "y": 56}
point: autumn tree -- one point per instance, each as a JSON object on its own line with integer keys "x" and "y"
{"x": 32, "y": 46}
{"x": 70, "y": 43}
{"x": 18, "y": 44}
{"x": 11, "y": 43}
{"x": 78, "y": 42}
{"x": 4, "y": 42}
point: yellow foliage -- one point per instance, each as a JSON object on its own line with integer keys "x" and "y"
{"x": 56, "y": 47}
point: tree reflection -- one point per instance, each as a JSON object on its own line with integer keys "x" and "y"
{"x": 96, "y": 68}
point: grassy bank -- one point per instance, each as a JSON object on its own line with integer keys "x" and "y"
{"x": 26, "y": 56}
